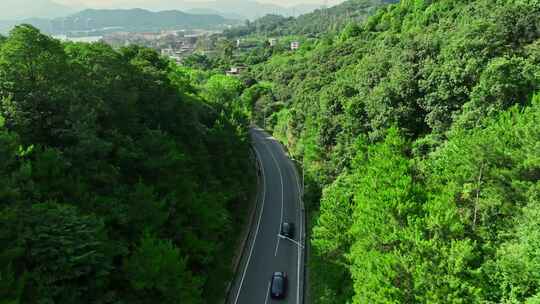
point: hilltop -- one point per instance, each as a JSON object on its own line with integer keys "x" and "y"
{"x": 418, "y": 133}
{"x": 314, "y": 23}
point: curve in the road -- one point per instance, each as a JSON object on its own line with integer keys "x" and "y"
{"x": 279, "y": 201}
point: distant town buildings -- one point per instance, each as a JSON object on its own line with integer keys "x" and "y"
{"x": 272, "y": 41}
{"x": 175, "y": 44}
{"x": 295, "y": 45}
{"x": 246, "y": 44}
{"x": 235, "y": 71}
{"x": 176, "y": 54}
{"x": 86, "y": 39}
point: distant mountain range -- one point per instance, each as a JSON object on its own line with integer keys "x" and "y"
{"x": 92, "y": 20}
{"x": 248, "y": 9}
{"x": 47, "y": 15}
{"x": 230, "y": 9}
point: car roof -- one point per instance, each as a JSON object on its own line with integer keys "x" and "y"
{"x": 278, "y": 284}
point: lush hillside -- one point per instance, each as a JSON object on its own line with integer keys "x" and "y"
{"x": 419, "y": 134}
{"x": 336, "y": 17}
{"x": 122, "y": 180}
{"x": 315, "y": 23}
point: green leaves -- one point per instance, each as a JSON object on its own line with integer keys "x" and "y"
{"x": 117, "y": 143}
{"x": 384, "y": 229}
{"x": 34, "y": 84}
{"x": 504, "y": 82}
{"x": 351, "y": 30}
{"x": 11, "y": 287}
{"x": 429, "y": 214}
{"x": 221, "y": 89}
{"x": 331, "y": 19}
{"x": 158, "y": 272}
{"x": 463, "y": 233}
{"x": 53, "y": 252}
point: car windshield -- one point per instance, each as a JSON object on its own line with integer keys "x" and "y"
{"x": 277, "y": 285}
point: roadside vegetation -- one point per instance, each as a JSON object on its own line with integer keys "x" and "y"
{"x": 418, "y": 130}
{"x": 314, "y": 24}
{"x": 122, "y": 176}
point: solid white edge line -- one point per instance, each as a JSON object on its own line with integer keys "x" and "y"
{"x": 258, "y": 224}
{"x": 300, "y": 235}
{"x": 267, "y": 293}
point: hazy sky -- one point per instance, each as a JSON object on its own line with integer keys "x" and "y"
{"x": 133, "y": 3}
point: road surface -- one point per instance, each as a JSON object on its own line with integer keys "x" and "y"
{"x": 278, "y": 200}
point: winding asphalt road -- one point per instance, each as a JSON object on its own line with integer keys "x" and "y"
{"x": 278, "y": 201}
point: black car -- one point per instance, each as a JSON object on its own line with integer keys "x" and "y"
{"x": 278, "y": 286}
{"x": 287, "y": 229}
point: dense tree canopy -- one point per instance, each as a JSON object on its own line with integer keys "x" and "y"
{"x": 121, "y": 176}
{"x": 316, "y": 23}
{"x": 419, "y": 135}
{"x": 120, "y": 172}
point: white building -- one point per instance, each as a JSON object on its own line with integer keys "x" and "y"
{"x": 173, "y": 54}
{"x": 295, "y": 45}
{"x": 236, "y": 70}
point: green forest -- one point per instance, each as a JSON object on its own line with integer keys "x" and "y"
{"x": 315, "y": 23}
{"x": 121, "y": 175}
{"x": 417, "y": 123}
{"x": 419, "y": 134}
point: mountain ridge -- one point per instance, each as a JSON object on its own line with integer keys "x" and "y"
{"x": 231, "y": 9}
{"x": 127, "y": 19}
{"x": 315, "y": 23}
